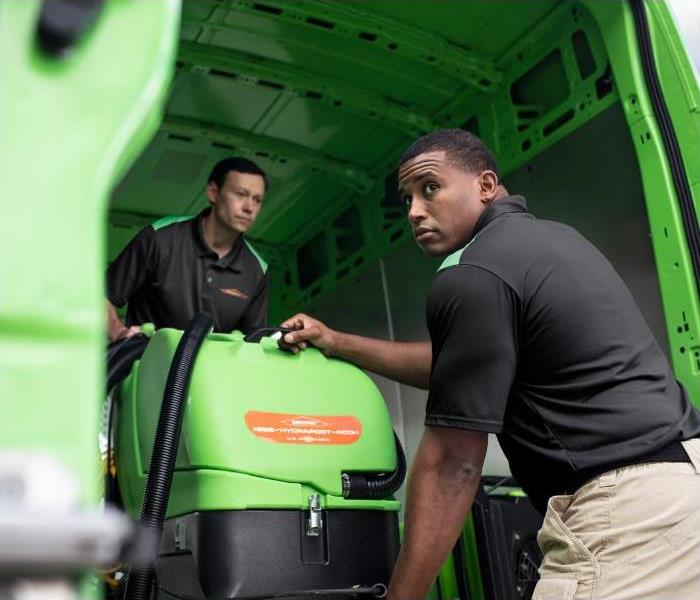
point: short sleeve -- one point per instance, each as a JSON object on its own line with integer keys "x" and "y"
{"x": 255, "y": 315}
{"x": 131, "y": 268}
{"x": 472, "y": 319}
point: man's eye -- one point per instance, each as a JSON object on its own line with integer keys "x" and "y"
{"x": 430, "y": 188}
{"x": 406, "y": 200}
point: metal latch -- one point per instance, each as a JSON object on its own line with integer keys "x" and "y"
{"x": 314, "y": 524}
{"x": 180, "y": 536}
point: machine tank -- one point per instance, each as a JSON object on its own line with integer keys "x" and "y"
{"x": 257, "y": 504}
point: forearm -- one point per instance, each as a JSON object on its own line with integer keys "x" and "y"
{"x": 438, "y": 501}
{"x": 406, "y": 362}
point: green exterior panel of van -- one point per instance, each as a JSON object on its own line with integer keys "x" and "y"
{"x": 679, "y": 288}
{"x": 70, "y": 127}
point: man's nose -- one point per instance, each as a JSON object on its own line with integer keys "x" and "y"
{"x": 248, "y": 205}
{"x": 416, "y": 212}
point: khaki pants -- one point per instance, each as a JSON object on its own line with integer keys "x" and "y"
{"x": 629, "y": 534}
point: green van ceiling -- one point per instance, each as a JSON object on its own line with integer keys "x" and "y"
{"x": 325, "y": 96}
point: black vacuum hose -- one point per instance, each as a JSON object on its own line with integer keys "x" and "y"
{"x": 165, "y": 445}
{"x": 121, "y": 356}
{"x": 361, "y": 485}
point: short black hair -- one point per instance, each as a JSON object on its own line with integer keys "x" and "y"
{"x": 234, "y": 163}
{"x": 463, "y": 149}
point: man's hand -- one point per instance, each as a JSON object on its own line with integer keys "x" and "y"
{"x": 126, "y": 332}
{"x": 405, "y": 362}
{"x": 116, "y": 330}
{"x": 308, "y": 331}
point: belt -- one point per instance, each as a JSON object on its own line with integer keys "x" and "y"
{"x": 671, "y": 453}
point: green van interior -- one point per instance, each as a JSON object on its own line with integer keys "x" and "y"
{"x": 592, "y": 110}
{"x": 326, "y": 96}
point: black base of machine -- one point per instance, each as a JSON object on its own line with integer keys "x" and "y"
{"x": 247, "y": 553}
{"x": 506, "y": 534}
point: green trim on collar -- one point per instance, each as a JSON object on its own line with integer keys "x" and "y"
{"x": 263, "y": 264}
{"x": 452, "y": 259}
{"x": 165, "y": 221}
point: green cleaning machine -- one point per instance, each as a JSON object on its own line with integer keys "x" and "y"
{"x": 282, "y": 471}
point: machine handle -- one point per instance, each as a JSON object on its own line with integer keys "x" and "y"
{"x": 259, "y": 334}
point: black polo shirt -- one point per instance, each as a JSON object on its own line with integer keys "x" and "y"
{"x": 167, "y": 274}
{"x": 537, "y": 339}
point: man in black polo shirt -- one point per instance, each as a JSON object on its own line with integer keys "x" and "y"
{"x": 179, "y": 267}
{"x": 534, "y": 337}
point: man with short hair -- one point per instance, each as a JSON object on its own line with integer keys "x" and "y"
{"x": 535, "y": 338}
{"x": 179, "y": 267}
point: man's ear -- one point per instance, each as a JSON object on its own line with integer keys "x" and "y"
{"x": 212, "y": 190}
{"x": 488, "y": 185}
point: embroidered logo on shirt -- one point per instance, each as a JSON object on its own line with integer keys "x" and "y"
{"x": 235, "y": 292}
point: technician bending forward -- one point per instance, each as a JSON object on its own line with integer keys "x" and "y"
{"x": 535, "y": 338}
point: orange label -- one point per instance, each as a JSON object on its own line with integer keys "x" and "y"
{"x": 285, "y": 428}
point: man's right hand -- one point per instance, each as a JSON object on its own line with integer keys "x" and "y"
{"x": 308, "y": 330}
{"x": 405, "y": 362}
{"x": 125, "y": 333}
{"x": 116, "y": 330}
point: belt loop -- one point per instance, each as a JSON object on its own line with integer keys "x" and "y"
{"x": 608, "y": 479}
{"x": 692, "y": 448}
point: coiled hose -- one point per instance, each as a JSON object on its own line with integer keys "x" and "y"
{"x": 121, "y": 356}
{"x": 361, "y": 485}
{"x": 165, "y": 445}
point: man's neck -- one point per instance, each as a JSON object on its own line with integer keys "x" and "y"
{"x": 219, "y": 239}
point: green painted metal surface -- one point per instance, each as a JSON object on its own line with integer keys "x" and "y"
{"x": 343, "y": 24}
{"x": 222, "y": 462}
{"x": 673, "y": 264}
{"x": 70, "y": 127}
{"x": 255, "y": 70}
{"x": 471, "y": 558}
